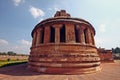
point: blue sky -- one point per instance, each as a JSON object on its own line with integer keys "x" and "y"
{"x": 18, "y": 18}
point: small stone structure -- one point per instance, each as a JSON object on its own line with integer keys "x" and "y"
{"x": 64, "y": 45}
{"x": 105, "y": 55}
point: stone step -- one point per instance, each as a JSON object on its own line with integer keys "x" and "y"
{"x": 65, "y": 70}
{"x": 64, "y": 65}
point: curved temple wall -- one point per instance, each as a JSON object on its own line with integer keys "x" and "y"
{"x": 64, "y": 45}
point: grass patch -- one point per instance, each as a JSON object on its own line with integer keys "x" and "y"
{"x": 11, "y": 62}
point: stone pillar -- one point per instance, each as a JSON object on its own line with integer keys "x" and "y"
{"x": 82, "y": 35}
{"x": 70, "y": 33}
{"x": 47, "y": 34}
{"x": 34, "y": 39}
{"x": 57, "y": 32}
{"x": 93, "y": 41}
{"x": 38, "y": 39}
{"x": 89, "y": 36}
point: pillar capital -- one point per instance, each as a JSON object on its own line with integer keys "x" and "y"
{"x": 39, "y": 29}
{"x": 57, "y": 25}
{"x": 78, "y": 27}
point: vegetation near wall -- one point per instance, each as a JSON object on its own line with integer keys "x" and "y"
{"x": 11, "y": 58}
{"x": 116, "y": 53}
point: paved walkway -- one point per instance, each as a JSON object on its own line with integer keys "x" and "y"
{"x": 110, "y": 71}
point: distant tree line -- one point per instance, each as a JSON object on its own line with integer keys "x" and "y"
{"x": 11, "y": 53}
{"x": 116, "y": 53}
{"x": 116, "y": 50}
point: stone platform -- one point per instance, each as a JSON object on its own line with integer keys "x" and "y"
{"x": 110, "y": 71}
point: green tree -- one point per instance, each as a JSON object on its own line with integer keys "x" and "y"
{"x": 11, "y": 53}
{"x": 116, "y": 50}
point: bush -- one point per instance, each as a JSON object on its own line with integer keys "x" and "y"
{"x": 17, "y": 59}
{"x": 8, "y": 59}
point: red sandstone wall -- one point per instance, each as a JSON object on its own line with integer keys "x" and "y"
{"x": 105, "y": 55}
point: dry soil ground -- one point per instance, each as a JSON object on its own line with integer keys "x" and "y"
{"x": 110, "y": 71}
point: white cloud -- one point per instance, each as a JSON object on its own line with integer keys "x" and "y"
{"x": 107, "y": 42}
{"x": 102, "y": 28}
{"x": 56, "y": 9}
{"x": 17, "y": 2}
{"x": 100, "y": 41}
{"x": 23, "y": 46}
{"x": 4, "y": 42}
{"x": 25, "y": 42}
{"x": 36, "y": 12}
{"x": 50, "y": 9}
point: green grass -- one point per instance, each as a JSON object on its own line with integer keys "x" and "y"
{"x": 11, "y": 62}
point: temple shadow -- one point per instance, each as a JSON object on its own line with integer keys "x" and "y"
{"x": 18, "y": 70}
{"x": 21, "y": 70}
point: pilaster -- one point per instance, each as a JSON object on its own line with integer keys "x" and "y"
{"x": 47, "y": 34}
{"x": 89, "y": 36}
{"x": 38, "y": 39}
{"x": 70, "y": 33}
{"x": 34, "y": 39}
{"x": 82, "y": 35}
{"x": 57, "y": 32}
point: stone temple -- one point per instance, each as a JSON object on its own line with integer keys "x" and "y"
{"x": 64, "y": 45}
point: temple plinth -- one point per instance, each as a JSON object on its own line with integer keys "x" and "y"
{"x": 64, "y": 45}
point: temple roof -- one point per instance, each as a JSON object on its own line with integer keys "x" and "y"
{"x": 62, "y": 13}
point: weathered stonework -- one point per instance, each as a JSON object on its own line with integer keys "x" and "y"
{"x": 105, "y": 55}
{"x": 64, "y": 45}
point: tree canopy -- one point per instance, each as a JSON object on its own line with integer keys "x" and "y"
{"x": 116, "y": 50}
{"x": 11, "y": 53}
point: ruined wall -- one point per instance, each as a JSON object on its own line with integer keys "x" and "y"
{"x": 105, "y": 55}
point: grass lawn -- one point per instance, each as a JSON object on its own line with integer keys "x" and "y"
{"x": 11, "y": 62}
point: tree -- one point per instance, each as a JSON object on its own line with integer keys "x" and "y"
{"x": 11, "y": 53}
{"x": 116, "y": 50}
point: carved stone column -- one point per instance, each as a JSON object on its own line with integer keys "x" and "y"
{"x": 93, "y": 41}
{"x": 38, "y": 39}
{"x": 34, "y": 39}
{"x": 57, "y": 32}
{"x": 70, "y": 33}
{"x": 77, "y": 33}
{"x": 82, "y": 35}
{"x": 47, "y": 34}
{"x": 89, "y": 36}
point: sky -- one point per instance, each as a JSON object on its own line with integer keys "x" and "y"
{"x": 19, "y": 17}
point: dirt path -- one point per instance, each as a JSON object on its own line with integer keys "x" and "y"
{"x": 110, "y": 71}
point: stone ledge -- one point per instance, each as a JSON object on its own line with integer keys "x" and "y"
{"x": 65, "y": 70}
{"x": 63, "y": 65}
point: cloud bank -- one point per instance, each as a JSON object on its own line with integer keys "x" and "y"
{"x": 36, "y": 12}
{"x": 17, "y": 2}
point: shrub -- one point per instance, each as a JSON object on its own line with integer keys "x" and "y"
{"x": 8, "y": 59}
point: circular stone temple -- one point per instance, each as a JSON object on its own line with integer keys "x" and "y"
{"x": 63, "y": 45}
